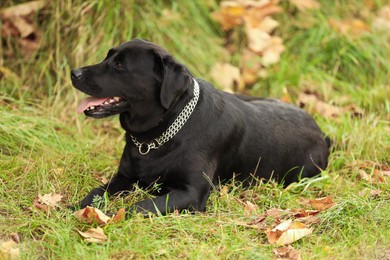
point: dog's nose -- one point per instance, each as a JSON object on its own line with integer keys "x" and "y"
{"x": 76, "y": 74}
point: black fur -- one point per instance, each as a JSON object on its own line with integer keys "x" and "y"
{"x": 226, "y": 134}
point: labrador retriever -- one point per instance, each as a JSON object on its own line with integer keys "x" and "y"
{"x": 185, "y": 135}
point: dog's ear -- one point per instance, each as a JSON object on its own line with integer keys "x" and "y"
{"x": 175, "y": 79}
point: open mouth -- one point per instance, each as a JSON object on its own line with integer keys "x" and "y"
{"x": 102, "y": 107}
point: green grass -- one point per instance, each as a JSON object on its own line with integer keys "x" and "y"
{"x": 46, "y": 147}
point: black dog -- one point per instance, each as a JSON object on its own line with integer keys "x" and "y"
{"x": 183, "y": 134}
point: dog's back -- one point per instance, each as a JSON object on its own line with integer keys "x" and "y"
{"x": 272, "y": 139}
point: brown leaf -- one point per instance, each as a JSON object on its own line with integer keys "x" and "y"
{"x": 254, "y": 17}
{"x": 92, "y": 215}
{"x": 15, "y": 237}
{"x": 119, "y": 216}
{"x": 363, "y": 175}
{"x": 377, "y": 176}
{"x": 311, "y": 103}
{"x": 371, "y": 193}
{"x": 230, "y": 15}
{"x": 18, "y": 23}
{"x": 301, "y": 213}
{"x": 382, "y": 21}
{"x": 268, "y": 24}
{"x": 24, "y": 9}
{"x": 227, "y": 76}
{"x": 309, "y": 220}
{"x": 258, "y": 40}
{"x": 47, "y": 202}
{"x": 271, "y": 54}
{"x": 351, "y": 27}
{"x": 250, "y": 208}
{"x": 276, "y": 213}
{"x": 304, "y": 5}
{"x": 9, "y": 250}
{"x": 94, "y": 235}
{"x": 287, "y": 252}
{"x": 322, "y": 203}
{"x": 286, "y": 96}
{"x": 250, "y": 66}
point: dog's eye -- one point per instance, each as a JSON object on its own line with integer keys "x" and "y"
{"x": 118, "y": 66}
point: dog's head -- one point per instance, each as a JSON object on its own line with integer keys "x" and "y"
{"x": 136, "y": 72}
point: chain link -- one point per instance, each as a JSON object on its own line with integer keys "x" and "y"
{"x": 173, "y": 129}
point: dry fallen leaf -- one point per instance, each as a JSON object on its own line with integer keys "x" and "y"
{"x": 382, "y": 21}
{"x": 258, "y": 40}
{"x": 276, "y": 213}
{"x": 377, "y": 176}
{"x": 287, "y": 232}
{"x": 230, "y": 15}
{"x": 352, "y": 27}
{"x": 262, "y": 50}
{"x": 9, "y": 250}
{"x": 47, "y": 202}
{"x": 304, "y": 5}
{"x": 363, "y": 175}
{"x": 371, "y": 193}
{"x": 24, "y": 9}
{"x": 119, "y": 216}
{"x": 94, "y": 235}
{"x": 250, "y": 65}
{"x": 311, "y": 103}
{"x": 302, "y": 213}
{"x": 92, "y": 215}
{"x": 17, "y": 22}
{"x": 322, "y": 203}
{"x": 271, "y": 54}
{"x": 227, "y": 76}
{"x": 250, "y": 208}
{"x": 287, "y": 252}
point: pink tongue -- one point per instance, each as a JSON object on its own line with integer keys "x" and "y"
{"x": 90, "y": 101}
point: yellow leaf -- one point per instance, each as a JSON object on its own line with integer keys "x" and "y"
{"x": 227, "y": 76}
{"x": 47, "y": 202}
{"x": 50, "y": 199}
{"x": 303, "y": 5}
{"x": 293, "y": 235}
{"x": 230, "y": 15}
{"x": 258, "y": 40}
{"x": 271, "y": 54}
{"x": 382, "y": 21}
{"x": 9, "y": 250}
{"x": 287, "y": 232}
{"x": 94, "y": 235}
{"x": 352, "y": 27}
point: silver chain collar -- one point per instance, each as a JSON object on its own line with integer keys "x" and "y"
{"x": 173, "y": 129}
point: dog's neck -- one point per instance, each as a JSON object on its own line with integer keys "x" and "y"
{"x": 146, "y": 126}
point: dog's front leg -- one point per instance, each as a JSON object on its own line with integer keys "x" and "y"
{"x": 119, "y": 183}
{"x": 192, "y": 199}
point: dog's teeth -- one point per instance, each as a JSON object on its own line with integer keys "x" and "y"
{"x": 116, "y": 98}
{"x": 92, "y": 107}
{"x": 111, "y": 101}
